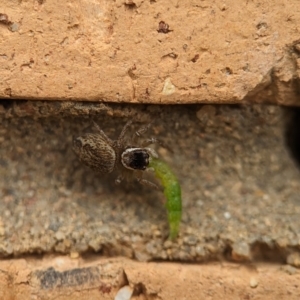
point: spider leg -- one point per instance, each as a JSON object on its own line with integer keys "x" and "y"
{"x": 141, "y": 131}
{"x": 153, "y": 140}
{"x": 146, "y": 182}
{"x": 101, "y": 132}
{"x": 122, "y": 134}
{"x": 148, "y": 141}
{"x": 119, "y": 179}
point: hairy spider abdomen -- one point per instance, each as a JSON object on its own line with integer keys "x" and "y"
{"x": 94, "y": 151}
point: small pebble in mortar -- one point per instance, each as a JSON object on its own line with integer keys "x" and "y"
{"x": 104, "y": 155}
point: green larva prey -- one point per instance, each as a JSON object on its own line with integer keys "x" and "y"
{"x": 172, "y": 192}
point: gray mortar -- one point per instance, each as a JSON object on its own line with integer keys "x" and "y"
{"x": 240, "y": 188}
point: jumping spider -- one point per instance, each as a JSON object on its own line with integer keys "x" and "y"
{"x": 104, "y": 155}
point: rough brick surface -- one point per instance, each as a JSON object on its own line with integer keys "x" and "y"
{"x": 102, "y": 278}
{"x": 205, "y": 51}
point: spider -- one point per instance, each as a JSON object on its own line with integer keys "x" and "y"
{"x": 104, "y": 155}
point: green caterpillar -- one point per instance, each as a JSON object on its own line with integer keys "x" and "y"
{"x": 172, "y": 192}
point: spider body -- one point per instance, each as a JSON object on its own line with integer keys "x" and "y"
{"x": 104, "y": 155}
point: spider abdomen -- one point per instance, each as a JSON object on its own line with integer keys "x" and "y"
{"x": 95, "y": 152}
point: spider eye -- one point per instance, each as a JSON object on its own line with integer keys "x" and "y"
{"x": 140, "y": 160}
